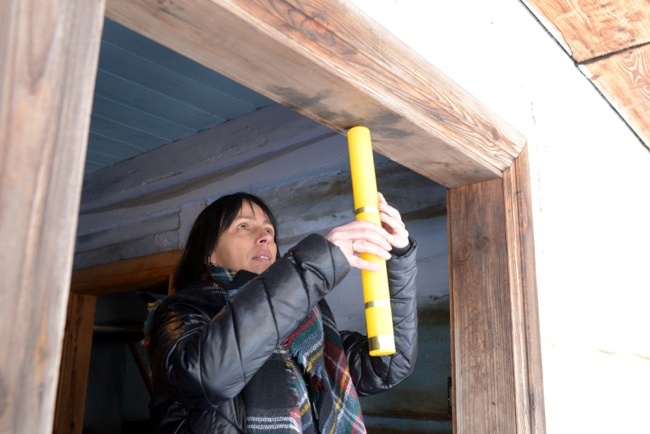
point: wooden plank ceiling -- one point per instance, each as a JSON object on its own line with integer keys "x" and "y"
{"x": 609, "y": 41}
{"x": 147, "y": 95}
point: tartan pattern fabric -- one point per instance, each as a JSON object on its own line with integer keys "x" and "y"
{"x": 347, "y": 408}
{"x": 220, "y": 275}
{"x": 312, "y": 362}
{"x": 324, "y": 399}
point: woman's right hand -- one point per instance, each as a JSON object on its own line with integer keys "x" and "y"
{"x": 360, "y": 236}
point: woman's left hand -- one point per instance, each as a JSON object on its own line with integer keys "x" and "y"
{"x": 391, "y": 220}
{"x": 360, "y": 236}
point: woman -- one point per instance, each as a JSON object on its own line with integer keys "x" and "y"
{"x": 248, "y": 343}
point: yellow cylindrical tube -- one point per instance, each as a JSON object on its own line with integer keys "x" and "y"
{"x": 376, "y": 296}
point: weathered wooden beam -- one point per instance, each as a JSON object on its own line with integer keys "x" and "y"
{"x": 609, "y": 42}
{"x": 589, "y": 30}
{"x": 48, "y": 62}
{"x": 623, "y": 78}
{"x": 480, "y": 310}
{"x": 75, "y": 364}
{"x": 330, "y": 62}
{"x": 124, "y": 276}
{"x": 496, "y": 348}
{"x": 526, "y": 343}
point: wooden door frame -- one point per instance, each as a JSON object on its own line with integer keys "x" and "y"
{"x": 496, "y": 351}
{"x": 48, "y": 62}
{"x": 496, "y": 356}
{"x": 352, "y": 72}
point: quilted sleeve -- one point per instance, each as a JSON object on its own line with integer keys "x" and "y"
{"x": 372, "y": 375}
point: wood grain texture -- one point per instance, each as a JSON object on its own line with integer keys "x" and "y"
{"x": 609, "y": 42}
{"x": 332, "y": 64}
{"x": 481, "y": 327}
{"x": 48, "y": 58}
{"x": 624, "y": 78}
{"x": 75, "y": 364}
{"x": 128, "y": 275}
{"x": 496, "y": 349}
{"x": 526, "y": 345}
{"x": 591, "y": 29}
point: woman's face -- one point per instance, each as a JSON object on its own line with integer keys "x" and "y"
{"x": 247, "y": 244}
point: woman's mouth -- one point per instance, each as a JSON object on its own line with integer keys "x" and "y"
{"x": 262, "y": 257}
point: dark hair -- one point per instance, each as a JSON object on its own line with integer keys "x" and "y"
{"x": 205, "y": 233}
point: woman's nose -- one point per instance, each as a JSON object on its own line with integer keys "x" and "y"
{"x": 264, "y": 237}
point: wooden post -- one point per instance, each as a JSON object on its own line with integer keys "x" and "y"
{"x": 48, "y": 63}
{"x": 496, "y": 354}
{"x": 86, "y": 286}
{"x": 526, "y": 344}
{"x": 75, "y": 363}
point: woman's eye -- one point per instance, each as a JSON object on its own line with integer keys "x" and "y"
{"x": 242, "y": 226}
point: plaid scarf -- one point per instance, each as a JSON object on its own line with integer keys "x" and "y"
{"x": 311, "y": 367}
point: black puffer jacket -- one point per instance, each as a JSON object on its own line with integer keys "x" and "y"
{"x": 200, "y": 365}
